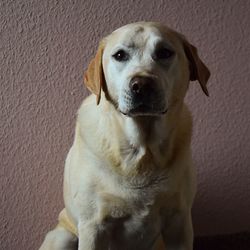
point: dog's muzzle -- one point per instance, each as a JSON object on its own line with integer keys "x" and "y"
{"x": 146, "y": 96}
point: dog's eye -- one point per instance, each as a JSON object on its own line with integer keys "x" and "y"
{"x": 121, "y": 56}
{"x": 163, "y": 54}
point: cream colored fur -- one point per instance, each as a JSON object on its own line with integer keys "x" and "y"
{"x": 129, "y": 181}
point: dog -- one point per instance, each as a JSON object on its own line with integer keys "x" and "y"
{"x": 129, "y": 181}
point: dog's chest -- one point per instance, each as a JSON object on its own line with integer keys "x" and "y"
{"x": 125, "y": 191}
{"x": 133, "y": 223}
{"x": 129, "y": 212}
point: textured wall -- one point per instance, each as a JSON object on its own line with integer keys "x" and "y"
{"x": 44, "y": 48}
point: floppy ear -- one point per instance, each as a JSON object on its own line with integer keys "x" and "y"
{"x": 94, "y": 77}
{"x": 198, "y": 70}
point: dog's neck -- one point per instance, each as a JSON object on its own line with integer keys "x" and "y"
{"x": 142, "y": 130}
{"x": 140, "y": 137}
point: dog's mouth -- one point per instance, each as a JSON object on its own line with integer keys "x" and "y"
{"x": 144, "y": 110}
{"x": 143, "y": 104}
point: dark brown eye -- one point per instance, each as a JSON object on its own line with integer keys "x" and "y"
{"x": 163, "y": 54}
{"x": 121, "y": 56}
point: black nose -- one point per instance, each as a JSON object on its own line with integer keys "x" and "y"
{"x": 141, "y": 84}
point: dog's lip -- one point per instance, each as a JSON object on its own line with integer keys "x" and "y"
{"x": 144, "y": 110}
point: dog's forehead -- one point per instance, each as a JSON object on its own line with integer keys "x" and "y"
{"x": 141, "y": 34}
{"x": 136, "y": 35}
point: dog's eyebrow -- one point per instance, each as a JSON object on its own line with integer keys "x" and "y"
{"x": 129, "y": 44}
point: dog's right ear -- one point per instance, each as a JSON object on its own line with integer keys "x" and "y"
{"x": 94, "y": 77}
{"x": 198, "y": 70}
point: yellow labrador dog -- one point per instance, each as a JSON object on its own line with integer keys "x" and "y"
{"x": 129, "y": 182}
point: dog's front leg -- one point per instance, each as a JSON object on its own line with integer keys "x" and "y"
{"x": 92, "y": 236}
{"x": 87, "y": 232}
{"x": 177, "y": 232}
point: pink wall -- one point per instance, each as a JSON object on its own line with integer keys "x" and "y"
{"x": 44, "y": 48}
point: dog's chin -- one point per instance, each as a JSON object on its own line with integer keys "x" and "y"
{"x": 143, "y": 110}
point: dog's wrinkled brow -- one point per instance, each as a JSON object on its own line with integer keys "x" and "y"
{"x": 135, "y": 43}
{"x": 129, "y": 44}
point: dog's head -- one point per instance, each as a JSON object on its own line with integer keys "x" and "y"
{"x": 144, "y": 69}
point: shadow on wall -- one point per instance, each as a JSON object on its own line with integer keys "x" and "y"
{"x": 226, "y": 199}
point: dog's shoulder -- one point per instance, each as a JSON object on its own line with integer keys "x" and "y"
{"x": 87, "y": 106}
{"x": 89, "y": 114}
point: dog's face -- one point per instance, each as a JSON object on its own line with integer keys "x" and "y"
{"x": 145, "y": 69}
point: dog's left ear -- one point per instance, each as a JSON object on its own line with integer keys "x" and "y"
{"x": 198, "y": 70}
{"x": 94, "y": 77}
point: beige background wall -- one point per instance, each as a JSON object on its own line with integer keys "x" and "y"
{"x": 45, "y": 47}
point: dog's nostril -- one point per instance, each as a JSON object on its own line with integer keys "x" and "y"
{"x": 135, "y": 87}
